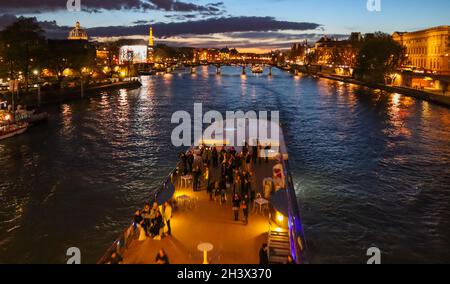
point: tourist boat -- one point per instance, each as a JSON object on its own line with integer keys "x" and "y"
{"x": 257, "y": 69}
{"x": 22, "y": 120}
{"x": 13, "y": 129}
{"x": 274, "y": 218}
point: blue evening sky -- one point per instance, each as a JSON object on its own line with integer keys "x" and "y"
{"x": 337, "y": 16}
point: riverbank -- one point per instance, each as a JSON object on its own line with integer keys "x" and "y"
{"x": 65, "y": 95}
{"x": 415, "y": 93}
{"x": 418, "y": 94}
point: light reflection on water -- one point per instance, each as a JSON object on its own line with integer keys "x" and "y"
{"x": 370, "y": 168}
{"x": 67, "y": 120}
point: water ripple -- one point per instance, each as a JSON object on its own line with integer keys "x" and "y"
{"x": 370, "y": 168}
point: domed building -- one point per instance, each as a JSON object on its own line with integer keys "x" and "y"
{"x": 77, "y": 33}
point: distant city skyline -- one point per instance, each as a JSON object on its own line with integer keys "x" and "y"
{"x": 248, "y": 25}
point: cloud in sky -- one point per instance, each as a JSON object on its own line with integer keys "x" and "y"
{"x": 197, "y": 27}
{"x": 206, "y": 26}
{"x": 246, "y": 33}
{"x": 250, "y": 32}
{"x": 181, "y": 17}
{"x": 39, "y": 6}
{"x": 142, "y": 22}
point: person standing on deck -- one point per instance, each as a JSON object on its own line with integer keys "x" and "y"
{"x": 183, "y": 161}
{"x": 137, "y": 219}
{"x": 223, "y": 190}
{"x": 153, "y": 211}
{"x": 196, "y": 170}
{"x": 266, "y": 152}
{"x": 215, "y": 157}
{"x": 138, "y": 226}
{"x": 259, "y": 152}
{"x": 207, "y": 156}
{"x": 244, "y": 206}
{"x": 236, "y": 206}
{"x": 222, "y": 155}
{"x": 230, "y": 168}
{"x": 206, "y": 176}
{"x": 244, "y": 183}
{"x": 252, "y": 186}
{"x": 223, "y": 165}
{"x": 152, "y": 216}
{"x": 263, "y": 255}
{"x": 247, "y": 184}
{"x": 237, "y": 183}
{"x": 189, "y": 160}
{"x": 146, "y": 215}
{"x": 167, "y": 217}
{"x": 157, "y": 225}
{"x": 254, "y": 153}
{"x": 204, "y": 154}
{"x": 244, "y": 160}
{"x": 233, "y": 151}
{"x": 248, "y": 164}
{"x": 243, "y": 163}
{"x": 216, "y": 190}
{"x": 245, "y": 149}
{"x": 238, "y": 161}
{"x": 210, "y": 189}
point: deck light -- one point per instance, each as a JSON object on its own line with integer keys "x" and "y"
{"x": 280, "y": 217}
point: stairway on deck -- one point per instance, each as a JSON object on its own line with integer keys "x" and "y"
{"x": 279, "y": 246}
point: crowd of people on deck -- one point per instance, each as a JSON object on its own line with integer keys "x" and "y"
{"x": 236, "y": 182}
{"x": 153, "y": 221}
{"x": 236, "y": 179}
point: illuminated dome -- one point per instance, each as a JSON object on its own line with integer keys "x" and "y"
{"x": 77, "y": 33}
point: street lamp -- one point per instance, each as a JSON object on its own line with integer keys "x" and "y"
{"x": 37, "y": 73}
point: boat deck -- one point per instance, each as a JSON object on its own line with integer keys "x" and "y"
{"x": 208, "y": 221}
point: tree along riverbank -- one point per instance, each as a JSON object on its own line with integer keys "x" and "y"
{"x": 52, "y": 97}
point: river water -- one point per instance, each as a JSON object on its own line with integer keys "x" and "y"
{"x": 371, "y": 169}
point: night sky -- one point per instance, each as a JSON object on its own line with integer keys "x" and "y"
{"x": 249, "y": 24}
